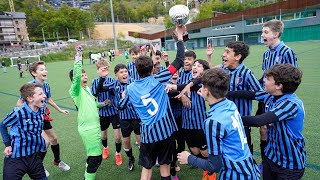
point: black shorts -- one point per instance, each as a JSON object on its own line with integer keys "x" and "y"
{"x": 273, "y": 171}
{"x": 16, "y": 168}
{"x": 105, "y": 122}
{"x": 195, "y": 138}
{"x": 47, "y": 125}
{"x": 129, "y": 125}
{"x": 149, "y": 152}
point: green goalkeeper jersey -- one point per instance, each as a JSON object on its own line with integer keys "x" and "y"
{"x": 88, "y": 117}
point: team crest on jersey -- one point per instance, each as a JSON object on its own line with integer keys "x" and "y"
{"x": 239, "y": 80}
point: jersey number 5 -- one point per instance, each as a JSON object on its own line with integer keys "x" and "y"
{"x": 146, "y": 99}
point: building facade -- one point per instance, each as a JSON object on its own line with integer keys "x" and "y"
{"x": 13, "y": 29}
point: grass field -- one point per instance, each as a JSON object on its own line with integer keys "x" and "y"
{"x": 72, "y": 151}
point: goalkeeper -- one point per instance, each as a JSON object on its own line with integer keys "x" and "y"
{"x": 88, "y": 117}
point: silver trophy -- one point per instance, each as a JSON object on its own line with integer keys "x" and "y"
{"x": 179, "y": 14}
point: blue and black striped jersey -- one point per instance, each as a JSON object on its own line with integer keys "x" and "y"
{"x": 194, "y": 117}
{"x": 151, "y": 102}
{"x": 133, "y": 73}
{"x": 225, "y": 135}
{"x": 25, "y": 132}
{"x": 128, "y": 112}
{"x": 102, "y": 96}
{"x": 285, "y": 142}
{"x": 184, "y": 77}
{"x": 281, "y": 54}
{"x": 242, "y": 79}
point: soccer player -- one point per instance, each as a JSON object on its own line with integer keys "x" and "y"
{"x": 134, "y": 53}
{"x": 108, "y": 114}
{"x": 151, "y": 102}
{"x": 285, "y": 155}
{"x": 129, "y": 119}
{"x": 241, "y": 79}
{"x": 228, "y": 150}
{"x": 193, "y": 118}
{"x": 88, "y": 116}
{"x": 24, "y": 142}
{"x": 278, "y": 53}
{"x": 4, "y": 68}
{"x": 39, "y": 73}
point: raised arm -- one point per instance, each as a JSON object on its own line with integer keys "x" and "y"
{"x": 77, "y": 73}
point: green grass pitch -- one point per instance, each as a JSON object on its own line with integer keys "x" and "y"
{"x": 72, "y": 151}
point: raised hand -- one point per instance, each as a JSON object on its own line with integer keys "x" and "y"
{"x": 78, "y": 54}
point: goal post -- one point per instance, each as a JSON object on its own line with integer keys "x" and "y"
{"x": 23, "y": 59}
{"x": 221, "y": 41}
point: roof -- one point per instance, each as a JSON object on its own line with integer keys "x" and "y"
{"x": 14, "y": 15}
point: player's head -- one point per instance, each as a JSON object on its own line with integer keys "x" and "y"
{"x": 84, "y": 78}
{"x": 32, "y": 93}
{"x": 156, "y": 59}
{"x": 121, "y": 72}
{"x": 199, "y": 66}
{"x": 234, "y": 53}
{"x": 174, "y": 79}
{"x": 283, "y": 78}
{"x": 215, "y": 83}
{"x": 102, "y": 67}
{"x": 189, "y": 58}
{"x": 271, "y": 31}
{"x": 134, "y": 52}
{"x": 144, "y": 65}
{"x": 38, "y": 70}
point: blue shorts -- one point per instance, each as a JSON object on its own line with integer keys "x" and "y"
{"x": 16, "y": 168}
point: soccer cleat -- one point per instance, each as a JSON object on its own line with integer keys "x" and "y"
{"x": 105, "y": 153}
{"x": 47, "y": 172}
{"x": 174, "y": 177}
{"x": 118, "y": 159}
{"x": 131, "y": 164}
{"x": 212, "y": 176}
{"x": 62, "y": 165}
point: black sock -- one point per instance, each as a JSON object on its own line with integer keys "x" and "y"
{"x": 56, "y": 152}
{"x": 263, "y": 144}
{"x": 105, "y": 143}
{"x": 129, "y": 153}
{"x": 21, "y": 74}
{"x": 118, "y": 147}
{"x": 43, "y": 154}
{"x": 166, "y": 178}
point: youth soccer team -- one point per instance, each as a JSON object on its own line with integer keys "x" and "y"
{"x": 165, "y": 108}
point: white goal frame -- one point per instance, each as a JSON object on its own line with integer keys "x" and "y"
{"x": 23, "y": 59}
{"x": 214, "y": 39}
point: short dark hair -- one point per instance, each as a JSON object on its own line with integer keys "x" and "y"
{"x": 217, "y": 81}
{"x": 239, "y": 47}
{"x": 204, "y": 63}
{"x": 287, "y": 75}
{"x": 71, "y": 73}
{"x": 118, "y": 67}
{"x": 27, "y": 90}
{"x": 134, "y": 49}
{"x": 190, "y": 54}
{"x": 33, "y": 66}
{"x": 144, "y": 65}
